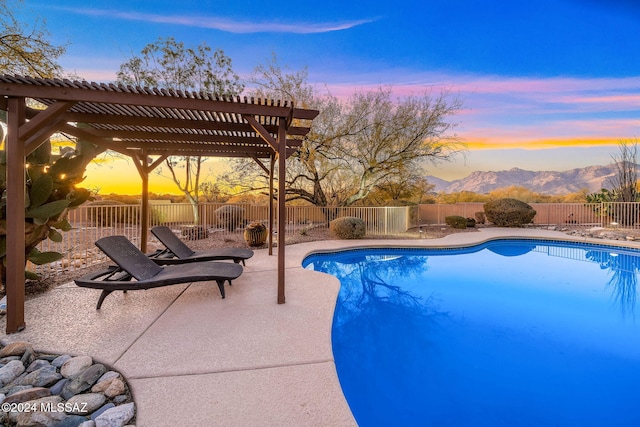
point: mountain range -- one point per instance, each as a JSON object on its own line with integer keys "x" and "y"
{"x": 593, "y": 178}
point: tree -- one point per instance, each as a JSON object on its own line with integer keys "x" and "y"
{"x": 25, "y": 49}
{"x": 623, "y": 187}
{"x": 624, "y": 183}
{"x": 359, "y": 143}
{"x": 169, "y": 64}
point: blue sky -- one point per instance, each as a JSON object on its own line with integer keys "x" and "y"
{"x": 546, "y": 85}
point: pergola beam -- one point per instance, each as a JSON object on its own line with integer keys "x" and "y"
{"x": 114, "y": 119}
{"x": 140, "y": 123}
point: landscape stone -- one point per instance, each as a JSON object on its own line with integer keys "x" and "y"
{"x": 10, "y": 371}
{"x": 116, "y": 388}
{"x": 15, "y": 349}
{"x": 60, "y": 360}
{"x": 83, "y": 381}
{"x": 28, "y": 357}
{"x": 72, "y": 421}
{"x": 43, "y": 377}
{"x": 85, "y": 404}
{"x": 37, "y": 364}
{"x": 44, "y": 419}
{"x": 32, "y": 393}
{"x": 75, "y": 365}
{"x": 116, "y": 417}
{"x": 57, "y": 387}
{"x": 108, "y": 375}
{"x": 99, "y": 412}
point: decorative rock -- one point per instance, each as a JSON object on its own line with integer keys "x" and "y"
{"x": 84, "y": 404}
{"x": 75, "y": 365}
{"x": 15, "y": 349}
{"x": 111, "y": 387}
{"x": 108, "y": 375}
{"x": 37, "y": 364}
{"x": 116, "y": 388}
{"x": 60, "y": 360}
{"x": 32, "y": 393}
{"x": 10, "y": 371}
{"x": 8, "y": 359}
{"x": 116, "y": 417}
{"x": 120, "y": 399}
{"x": 66, "y": 402}
{"x": 99, "y": 412}
{"x": 9, "y": 390}
{"x": 83, "y": 381}
{"x": 72, "y": 421}
{"x": 43, "y": 377}
{"x": 57, "y": 387}
{"x": 40, "y": 418}
{"x": 28, "y": 357}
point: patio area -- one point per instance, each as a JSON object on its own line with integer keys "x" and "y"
{"x": 192, "y": 358}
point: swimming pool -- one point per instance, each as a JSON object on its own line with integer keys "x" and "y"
{"x": 505, "y": 333}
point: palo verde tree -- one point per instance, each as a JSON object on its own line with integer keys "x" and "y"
{"x": 355, "y": 144}
{"x": 168, "y": 63}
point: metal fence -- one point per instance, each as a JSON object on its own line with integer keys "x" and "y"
{"x": 610, "y": 214}
{"x": 91, "y": 222}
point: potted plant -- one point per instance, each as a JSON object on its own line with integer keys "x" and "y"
{"x": 255, "y": 234}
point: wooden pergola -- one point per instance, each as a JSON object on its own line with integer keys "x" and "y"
{"x": 148, "y": 125}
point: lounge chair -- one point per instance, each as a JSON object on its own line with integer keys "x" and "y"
{"x": 133, "y": 264}
{"x": 177, "y": 252}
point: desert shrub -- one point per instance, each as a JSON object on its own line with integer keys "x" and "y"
{"x": 509, "y": 212}
{"x": 105, "y": 213}
{"x": 456, "y": 221}
{"x": 480, "y": 218}
{"x": 194, "y": 232}
{"x": 471, "y": 222}
{"x": 229, "y": 217}
{"x": 347, "y": 227}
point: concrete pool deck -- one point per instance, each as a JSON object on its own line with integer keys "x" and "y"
{"x": 194, "y": 359}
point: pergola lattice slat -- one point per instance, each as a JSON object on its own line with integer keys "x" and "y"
{"x": 138, "y": 122}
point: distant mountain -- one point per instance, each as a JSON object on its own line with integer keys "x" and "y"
{"x": 593, "y": 178}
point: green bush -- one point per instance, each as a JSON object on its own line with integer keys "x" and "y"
{"x": 456, "y": 221}
{"x": 509, "y": 212}
{"x": 348, "y": 227}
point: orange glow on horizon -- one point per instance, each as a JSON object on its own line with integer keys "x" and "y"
{"x": 537, "y": 144}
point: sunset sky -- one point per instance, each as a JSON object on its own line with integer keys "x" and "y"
{"x": 546, "y": 85}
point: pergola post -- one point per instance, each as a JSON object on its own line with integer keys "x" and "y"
{"x": 282, "y": 212}
{"x": 271, "y": 167}
{"x": 15, "y": 182}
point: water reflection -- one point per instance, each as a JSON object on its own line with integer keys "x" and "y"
{"x": 381, "y": 326}
{"x": 623, "y": 271}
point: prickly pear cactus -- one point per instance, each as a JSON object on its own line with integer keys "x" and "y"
{"x": 50, "y": 192}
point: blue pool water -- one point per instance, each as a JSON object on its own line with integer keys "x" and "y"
{"x": 507, "y": 333}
